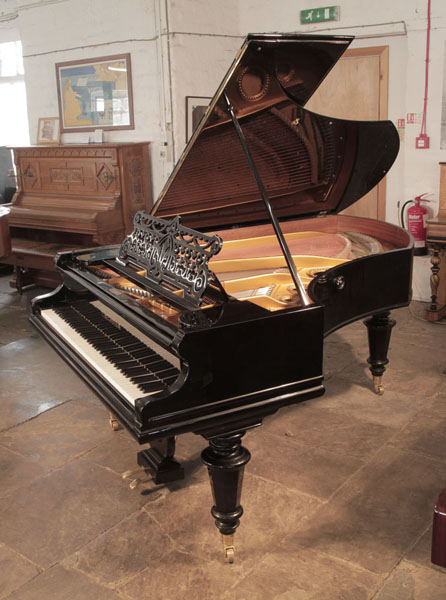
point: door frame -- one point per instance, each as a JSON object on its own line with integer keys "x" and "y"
{"x": 382, "y": 52}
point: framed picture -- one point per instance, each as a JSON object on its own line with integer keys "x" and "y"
{"x": 195, "y": 108}
{"x": 95, "y": 93}
{"x": 48, "y": 130}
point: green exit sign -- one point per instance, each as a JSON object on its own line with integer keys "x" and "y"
{"x": 317, "y": 15}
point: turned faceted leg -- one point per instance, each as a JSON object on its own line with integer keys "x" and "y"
{"x": 225, "y": 458}
{"x": 379, "y": 328}
{"x": 435, "y": 276}
{"x": 435, "y": 312}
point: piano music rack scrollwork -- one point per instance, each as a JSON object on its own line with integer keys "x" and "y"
{"x": 171, "y": 253}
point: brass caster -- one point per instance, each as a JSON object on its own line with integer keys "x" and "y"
{"x": 228, "y": 544}
{"x": 379, "y": 388}
{"x": 113, "y": 422}
{"x": 230, "y": 555}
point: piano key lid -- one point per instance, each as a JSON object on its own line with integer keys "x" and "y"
{"x": 308, "y": 164}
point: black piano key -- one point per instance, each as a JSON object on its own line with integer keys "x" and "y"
{"x": 134, "y": 371}
{"x": 143, "y": 353}
{"x": 172, "y": 371}
{"x": 152, "y": 387}
{"x": 146, "y": 378}
{"x": 150, "y": 361}
{"x": 138, "y": 362}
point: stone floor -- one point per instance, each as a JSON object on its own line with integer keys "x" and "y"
{"x": 338, "y": 495}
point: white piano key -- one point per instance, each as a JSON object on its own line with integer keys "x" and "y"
{"x": 108, "y": 312}
{"x": 122, "y": 384}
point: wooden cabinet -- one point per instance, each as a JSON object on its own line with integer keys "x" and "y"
{"x": 70, "y": 197}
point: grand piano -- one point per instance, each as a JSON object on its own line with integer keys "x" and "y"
{"x": 211, "y": 315}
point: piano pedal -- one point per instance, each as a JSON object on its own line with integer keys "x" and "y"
{"x": 128, "y": 474}
{"x": 228, "y": 545}
{"x": 159, "y": 460}
{"x": 157, "y": 463}
{"x": 138, "y": 480}
{"x": 377, "y": 382}
{"x": 114, "y": 424}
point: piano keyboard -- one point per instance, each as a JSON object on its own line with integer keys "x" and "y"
{"x": 131, "y": 362}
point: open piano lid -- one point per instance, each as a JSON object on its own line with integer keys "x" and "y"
{"x": 308, "y": 163}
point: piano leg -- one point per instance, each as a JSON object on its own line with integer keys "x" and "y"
{"x": 225, "y": 459}
{"x": 379, "y": 328}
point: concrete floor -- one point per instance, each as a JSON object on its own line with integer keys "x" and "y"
{"x": 338, "y": 495}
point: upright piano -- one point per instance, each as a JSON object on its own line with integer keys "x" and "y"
{"x": 70, "y": 197}
{"x": 211, "y": 314}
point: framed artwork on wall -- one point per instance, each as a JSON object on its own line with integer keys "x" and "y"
{"x": 195, "y": 108}
{"x": 48, "y": 130}
{"x": 95, "y": 93}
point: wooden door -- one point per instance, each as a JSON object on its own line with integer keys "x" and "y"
{"x": 357, "y": 89}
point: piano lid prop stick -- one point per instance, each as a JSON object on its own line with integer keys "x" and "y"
{"x": 278, "y": 231}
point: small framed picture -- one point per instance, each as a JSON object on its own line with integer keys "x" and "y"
{"x": 195, "y": 108}
{"x": 48, "y": 130}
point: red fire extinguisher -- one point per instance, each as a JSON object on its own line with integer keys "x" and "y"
{"x": 416, "y": 224}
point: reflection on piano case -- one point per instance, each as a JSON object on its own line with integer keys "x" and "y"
{"x": 212, "y": 313}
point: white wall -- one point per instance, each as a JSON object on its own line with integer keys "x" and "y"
{"x": 184, "y": 47}
{"x": 205, "y": 34}
{"x": 59, "y": 31}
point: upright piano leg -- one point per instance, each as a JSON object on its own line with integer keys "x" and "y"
{"x": 225, "y": 458}
{"x": 379, "y": 328}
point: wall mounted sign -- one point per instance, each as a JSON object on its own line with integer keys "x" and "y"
{"x": 318, "y": 15}
{"x": 95, "y": 93}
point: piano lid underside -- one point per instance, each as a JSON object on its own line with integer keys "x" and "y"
{"x": 308, "y": 163}
{"x": 294, "y": 154}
